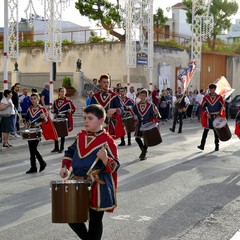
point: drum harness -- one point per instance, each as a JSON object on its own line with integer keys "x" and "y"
{"x": 92, "y": 174}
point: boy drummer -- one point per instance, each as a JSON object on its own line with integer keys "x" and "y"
{"x": 36, "y": 114}
{"x": 144, "y": 112}
{"x": 81, "y": 156}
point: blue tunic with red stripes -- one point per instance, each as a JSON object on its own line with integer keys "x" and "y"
{"x": 81, "y": 156}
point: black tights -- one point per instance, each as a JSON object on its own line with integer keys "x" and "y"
{"x": 95, "y": 226}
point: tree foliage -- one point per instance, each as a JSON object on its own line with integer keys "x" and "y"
{"x": 107, "y": 14}
{"x": 159, "y": 19}
{"x": 221, "y": 10}
{"x": 104, "y": 12}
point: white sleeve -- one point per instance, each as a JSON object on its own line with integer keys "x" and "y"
{"x": 187, "y": 100}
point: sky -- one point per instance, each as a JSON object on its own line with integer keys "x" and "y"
{"x": 72, "y": 14}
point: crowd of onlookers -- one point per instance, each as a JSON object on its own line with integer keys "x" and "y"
{"x": 13, "y": 108}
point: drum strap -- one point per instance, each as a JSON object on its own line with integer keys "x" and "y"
{"x": 92, "y": 177}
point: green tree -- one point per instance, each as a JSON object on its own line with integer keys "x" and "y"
{"x": 104, "y": 12}
{"x": 159, "y": 19}
{"x": 222, "y": 10}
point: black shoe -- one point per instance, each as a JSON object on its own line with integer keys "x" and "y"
{"x": 142, "y": 158}
{"x": 171, "y": 130}
{"x": 179, "y": 131}
{"x": 55, "y": 150}
{"x": 143, "y": 154}
{"x": 32, "y": 170}
{"x": 200, "y": 147}
{"x": 121, "y": 144}
{"x": 60, "y": 151}
{"x": 42, "y": 166}
{"x": 216, "y": 148}
{"x": 129, "y": 144}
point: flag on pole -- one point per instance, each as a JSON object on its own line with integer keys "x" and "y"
{"x": 186, "y": 76}
{"x": 223, "y": 87}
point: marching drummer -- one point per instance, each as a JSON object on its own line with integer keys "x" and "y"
{"x": 63, "y": 108}
{"x": 237, "y": 124}
{"x": 94, "y": 156}
{"x": 111, "y": 103}
{"x": 211, "y": 107}
{"x": 36, "y": 114}
{"x": 144, "y": 112}
{"x": 127, "y": 104}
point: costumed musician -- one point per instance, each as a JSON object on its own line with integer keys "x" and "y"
{"x": 63, "y": 108}
{"x": 36, "y": 115}
{"x": 237, "y": 124}
{"x": 90, "y": 143}
{"x": 212, "y": 106}
{"x": 181, "y": 103}
{"x": 111, "y": 103}
{"x": 144, "y": 112}
{"x": 127, "y": 104}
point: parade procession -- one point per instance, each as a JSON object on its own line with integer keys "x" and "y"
{"x": 118, "y": 135}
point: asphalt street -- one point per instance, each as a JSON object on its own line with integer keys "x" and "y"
{"x": 179, "y": 192}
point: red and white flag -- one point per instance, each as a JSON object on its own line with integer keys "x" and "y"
{"x": 186, "y": 76}
{"x": 223, "y": 87}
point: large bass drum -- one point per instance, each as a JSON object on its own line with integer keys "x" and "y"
{"x": 70, "y": 201}
{"x": 221, "y": 127}
{"x": 61, "y": 125}
{"x": 129, "y": 122}
{"x": 151, "y": 134}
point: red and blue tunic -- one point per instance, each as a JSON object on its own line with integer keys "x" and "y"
{"x": 212, "y": 104}
{"x": 33, "y": 117}
{"x": 81, "y": 155}
{"x": 109, "y": 100}
{"x": 145, "y": 114}
{"x": 61, "y": 106}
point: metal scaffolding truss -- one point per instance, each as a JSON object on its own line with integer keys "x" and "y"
{"x": 202, "y": 27}
{"x": 13, "y": 43}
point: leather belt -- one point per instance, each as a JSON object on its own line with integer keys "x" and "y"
{"x": 93, "y": 176}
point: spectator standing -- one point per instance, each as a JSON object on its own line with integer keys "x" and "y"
{"x": 7, "y": 123}
{"x": 25, "y": 103}
{"x": 190, "y": 107}
{"x": 131, "y": 94}
{"x": 163, "y": 106}
{"x": 15, "y": 99}
{"x": 89, "y": 98}
{"x": 45, "y": 96}
{"x": 155, "y": 96}
{"x": 195, "y": 103}
{"x": 200, "y": 97}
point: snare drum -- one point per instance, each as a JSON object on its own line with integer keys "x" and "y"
{"x": 61, "y": 126}
{"x": 70, "y": 201}
{"x": 129, "y": 123}
{"x": 151, "y": 134}
{"x": 221, "y": 127}
{"x": 31, "y": 134}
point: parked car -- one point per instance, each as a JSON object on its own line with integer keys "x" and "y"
{"x": 233, "y": 106}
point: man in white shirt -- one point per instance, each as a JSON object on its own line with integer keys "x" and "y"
{"x": 181, "y": 103}
{"x": 131, "y": 94}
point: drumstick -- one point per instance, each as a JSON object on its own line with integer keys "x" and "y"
{"x": 95, "y": 161}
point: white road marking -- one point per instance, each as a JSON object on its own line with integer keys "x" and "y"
{"x": 236, "y": 236}
{"x": 144, "y": 218}
{"x": 121, "y": 217}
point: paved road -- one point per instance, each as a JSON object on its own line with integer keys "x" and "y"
{"x": 179, "y": 192}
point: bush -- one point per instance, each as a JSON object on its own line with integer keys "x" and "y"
{"x": 67, "y": 83}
